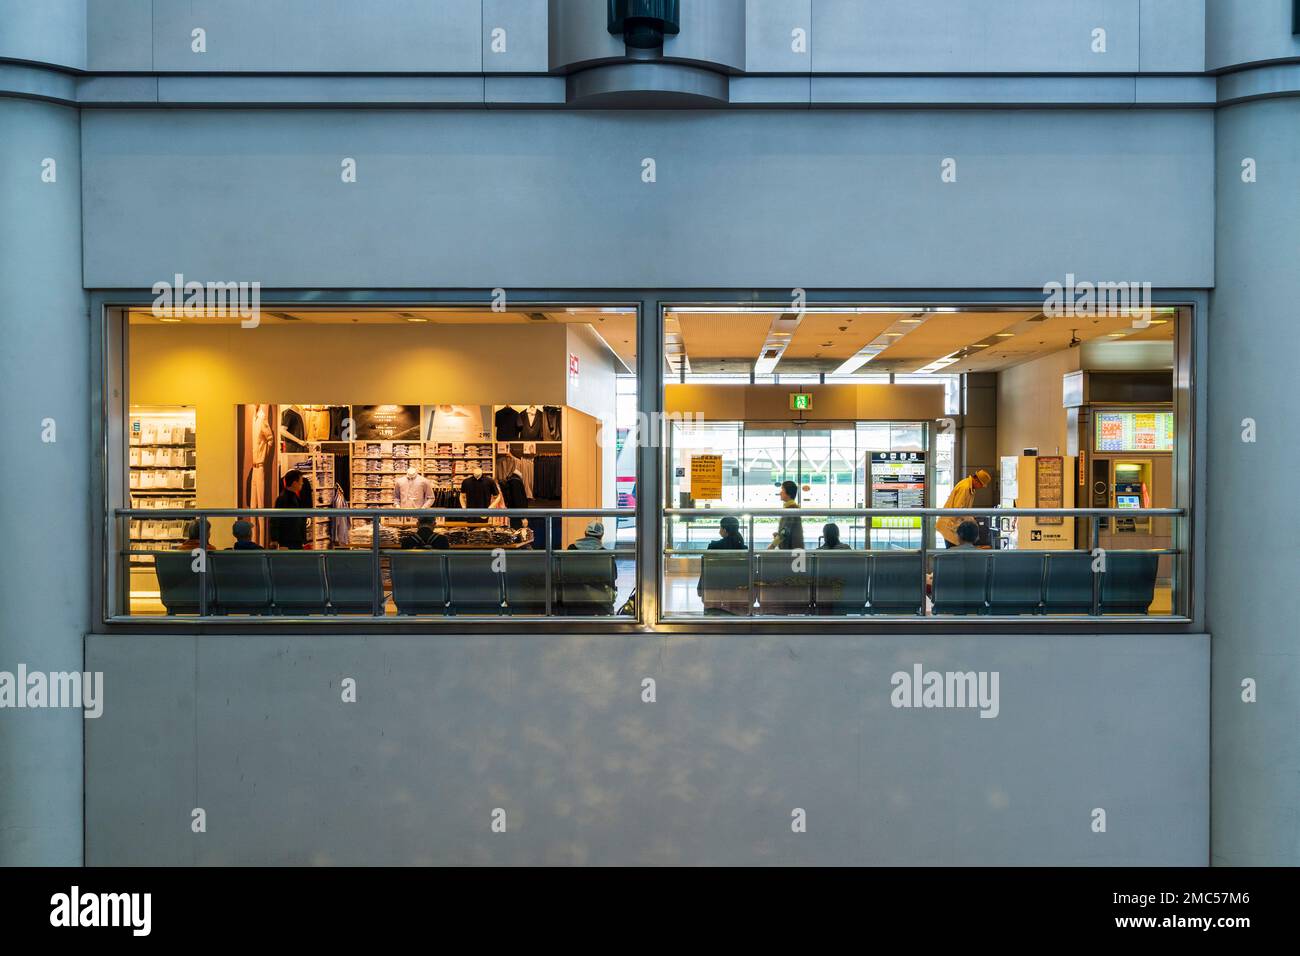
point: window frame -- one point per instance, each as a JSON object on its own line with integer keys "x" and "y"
{"x": 108, "y": 392}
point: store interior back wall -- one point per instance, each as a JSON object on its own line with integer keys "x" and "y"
{"x": 217, "y": 368}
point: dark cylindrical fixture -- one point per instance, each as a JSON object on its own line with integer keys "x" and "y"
{"x": 644, "y": 23}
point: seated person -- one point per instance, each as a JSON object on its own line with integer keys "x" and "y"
{"x": 968, "y": 534}
{"x": 730, "y": 538}
{"x": 831, "y": 539}
{"x": 593, "y": 540}
{"x": 243, "y": 531}
{"x": 192, "y": 537}
{"x": 425, "y": 537}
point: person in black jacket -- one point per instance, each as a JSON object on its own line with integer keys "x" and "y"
{"x": 243, "y": 532}
{"x": 290, "y": 532}
{"x": 730, "y": 538}
{"x": 424, "y": 538}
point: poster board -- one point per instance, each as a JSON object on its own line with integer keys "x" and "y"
{"x": 706, "y": 477}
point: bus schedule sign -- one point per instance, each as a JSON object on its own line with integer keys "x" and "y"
{"x": 706, "y": 477}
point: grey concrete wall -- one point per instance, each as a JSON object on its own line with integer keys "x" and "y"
{"x": 473, "y": 199}
{"x": 1251, "y": 570}
{"x": 1239, "y": 32}
{"x": 45, "y": 566}
{"x": 553, "y": 730}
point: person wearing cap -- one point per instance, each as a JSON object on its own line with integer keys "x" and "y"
{"x": 243, "y": 532}
{"x": 729, "y": 536}
{"x": 593, "y": 540}
{"x": 963, "y": 496}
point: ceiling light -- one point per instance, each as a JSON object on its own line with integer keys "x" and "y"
{"x": 168, "y": 320}
{"x": 415, "y": 319}
{"x": 1005, "y": 335}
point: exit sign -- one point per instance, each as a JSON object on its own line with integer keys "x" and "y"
{"x": 800, "y": 402}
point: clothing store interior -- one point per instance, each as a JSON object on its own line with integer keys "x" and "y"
{"x": 477, "y": 410}
{"x": 766, "y": 408}
{"x": 885, "y": 409}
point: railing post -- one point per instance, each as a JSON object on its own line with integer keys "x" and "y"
{"x": 749, "y": 566}
{"x": 377, "y": 578}
{"x": 1096, "y": 579}
{"x": 550, "y": 556}
{"x": 925, "y": 552}
{"x": 203, "y": 566}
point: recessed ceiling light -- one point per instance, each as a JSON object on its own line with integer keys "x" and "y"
{"x": 1115, "y": 335}
{"x": 1159, "y": 322}
{"x": 415, "y": 319}
{"x": 1005, "y": 335}
{"x": 168, "y": 320}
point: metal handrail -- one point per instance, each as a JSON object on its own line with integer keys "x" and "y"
{"x": 930, "y": 512}
{"x": 375, "y": 512}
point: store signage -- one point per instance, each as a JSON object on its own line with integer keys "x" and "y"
{"x": 706, "y": 477}
{"x": 1134, "y": 431}
{"x": 897, "y": 481}
{"x": 1049, "y": 486}
{"x": 573, "y": 370}
{"x": 800, "y": 402}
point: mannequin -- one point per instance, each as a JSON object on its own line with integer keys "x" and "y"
{"x": 478, "y": 491}
{"x": 412, "y": 490}
{"x": 513, "y": 494}
{"x": 293, "y": 429}
{"x": 263, "y": 448}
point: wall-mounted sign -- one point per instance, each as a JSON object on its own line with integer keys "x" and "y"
{"x": 1049, "y": 485}
{"x": 573, "y": 370}
{"x": 897, "y": 481}
{"x": 706, "y": 477}
{"x": 800, "y": 402}
{"x": 1134, "y": 431}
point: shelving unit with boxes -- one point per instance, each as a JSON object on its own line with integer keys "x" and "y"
{"x": 161, "y": 474}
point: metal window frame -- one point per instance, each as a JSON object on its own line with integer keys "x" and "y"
{"x": 109, "y": 394}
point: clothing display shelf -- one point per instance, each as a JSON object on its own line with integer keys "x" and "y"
{"x": 161, "y": 473}
{"x": 318, "y": 467}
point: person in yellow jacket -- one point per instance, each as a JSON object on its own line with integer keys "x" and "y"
{"x": 963, "y": 496}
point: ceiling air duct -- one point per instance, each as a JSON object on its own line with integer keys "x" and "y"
{"x": 643, "y": 23}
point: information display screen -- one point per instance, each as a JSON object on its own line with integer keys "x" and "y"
{"x": 1134, "y": 431}
{"x": 897, "y": 481}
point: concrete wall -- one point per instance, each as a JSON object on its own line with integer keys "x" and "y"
{"x": 553, "y": 730}
{"x": 474, "y": 199}
{"x": 45, "y": 389}
{"x": 1254, "y": 341}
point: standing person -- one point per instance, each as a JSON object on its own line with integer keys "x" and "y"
{"x": 290, "y": 532}
{"x": 730, "y": 538}
{"x": 789, "y": 533}
{"x": 963, "y": 496}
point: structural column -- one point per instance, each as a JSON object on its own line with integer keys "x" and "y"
{"x": 46, "y": 562}
{"x": 1252, "y": 561}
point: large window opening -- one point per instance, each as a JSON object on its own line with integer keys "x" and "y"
{"x": 377, "y": 463}
{"x": 854, "y": 462}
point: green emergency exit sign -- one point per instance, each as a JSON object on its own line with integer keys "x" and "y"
{"x": 800, "y": 402}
